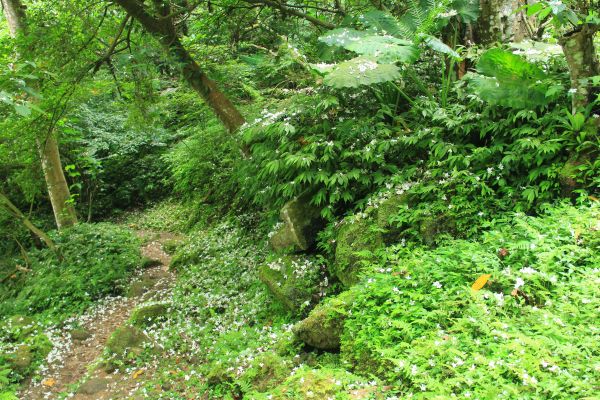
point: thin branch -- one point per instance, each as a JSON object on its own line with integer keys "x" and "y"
{"x": 293, "y": 11}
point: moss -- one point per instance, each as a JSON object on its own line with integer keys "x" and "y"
{"x": 388, "y": 209}
{"x": 434, "y": 229}
{"x": 170, "y": 246}
{"x": 301, "y": 223}
{"x": 324, "y": 325}
{"x": 22, "y": 359}
{"x": 30, "y": 354}
{"x": 21, "y": 326}
{"x": 323, "y": 383}
{"x": 569, "y": 173}
{"x": 148, "y": 314}
{"x": 150, "y": 262}
{"x": 140, "y": 287}
{"x": 267, "y": 371}
{"x": 355, "y": 240}
{"x": 125, "y": 343}
{"x": 293, "y": 280}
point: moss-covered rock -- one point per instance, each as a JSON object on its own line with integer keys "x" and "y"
{"x": 323, "y": 383}
{"x": 21, "y": 326}
{"x": 147, "y": 314}
{"x": 80, "y": 334}
{"x": 93, "y": 386}
{"x": 150, "y": 262}
{"x": 293, "y": 280}
{"x": 432, "y": 229}
{"x": 356, "y": 239}
{"x": 323, "y": 327}
{"x": 22, "y": 359}
{"x": 267, "y": 371}
{"x": 388, "y": 209}
{"x": 301, "y": 223}
{"x": 124, "y": 344}
{"x": 569, "y": 173}
{"x": 139, "y": 287}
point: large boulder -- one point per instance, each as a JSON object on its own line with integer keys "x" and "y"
{"x": 301, "y": 221}
{"x": 323, "y": 327}
{"x": 293, "y": 280}
{"x": 357, "y": 240}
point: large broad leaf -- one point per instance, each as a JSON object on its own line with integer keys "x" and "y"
{"x": 359, "y": 71}
{"x": 342, "y": 37}
{"x": 386, "y": 49}
{"x": 466, "y": 10}
{"x": 436, "y": 44}
{"x": 509, "y": 80}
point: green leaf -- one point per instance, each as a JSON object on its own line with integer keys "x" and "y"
{"x": 23, "y": 110}
{"x": 509, "y": 80}
{"x": 386, "y": 49}
{"x": 360, "y": 71}
{"x": 436, "y": 44}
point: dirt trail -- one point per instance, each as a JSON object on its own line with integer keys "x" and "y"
{"x": 76, "y": 350}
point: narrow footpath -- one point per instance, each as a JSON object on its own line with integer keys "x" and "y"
{"x": 70, "y": 370}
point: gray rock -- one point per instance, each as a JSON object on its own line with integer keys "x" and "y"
{"x": 93, "y": 386}
{"x": 355, "y": 238}
{"x": 301, "y": 223}
{"x": 324, "y": 325}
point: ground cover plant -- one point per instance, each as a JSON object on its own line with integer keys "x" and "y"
{"x": 340, "y": 199}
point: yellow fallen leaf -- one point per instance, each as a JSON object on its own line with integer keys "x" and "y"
{"x": 480, "y": 282}
{"x": 594, "y": 198}
{"x": 49, "y": 382}
{"x": 137, "y": 373}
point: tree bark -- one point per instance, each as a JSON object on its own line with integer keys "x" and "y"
{"x": 163, "y": 28}
{"x": 498, "y": 22}
{"x": 578, "y": 47}
{"x": 58, "y": 190}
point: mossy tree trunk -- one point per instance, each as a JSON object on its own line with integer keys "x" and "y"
{"x": 163, "y": 27}
{"x": 499, "y": 22}
{"x": 582, "y": 59}
{"x": 56, "y": 183}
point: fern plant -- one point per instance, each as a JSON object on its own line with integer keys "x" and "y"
{"x": 506, "y": 79}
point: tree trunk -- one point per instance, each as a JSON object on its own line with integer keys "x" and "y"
{"x": 15, "y": 212}
{"x": 498, "y": 22}
{"x": 582, "y": 59}
{"x": 58, "y": 190}
{"x": 163, "y": 28}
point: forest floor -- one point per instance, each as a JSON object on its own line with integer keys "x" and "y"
{"x": 72, "y": 369}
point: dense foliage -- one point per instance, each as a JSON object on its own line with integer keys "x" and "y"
{"x": 361, "y": 198}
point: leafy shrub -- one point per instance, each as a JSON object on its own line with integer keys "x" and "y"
{"x": 417, "y": 323}
{"x": 96, "y": 261}
{"x": 316, "y": 143}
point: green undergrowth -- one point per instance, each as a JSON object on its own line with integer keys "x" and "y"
{"x": 95, "y": 261}
{"x": 168, "y": 215}
{"x": 529, "y": 333}
{"x": 416, "y": 327}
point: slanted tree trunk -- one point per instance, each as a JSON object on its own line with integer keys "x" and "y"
{"x": 15, "y": 212}
{"x": 163, "y": 28}
{"x": 58, "y": 190}
{"x": 578, "y": 47}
